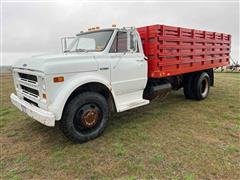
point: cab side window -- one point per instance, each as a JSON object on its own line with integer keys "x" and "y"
{"x": 120, "y": 43}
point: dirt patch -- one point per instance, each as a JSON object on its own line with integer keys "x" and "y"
{"x": 6, "y": 140}
{"x": 207, "y": 139}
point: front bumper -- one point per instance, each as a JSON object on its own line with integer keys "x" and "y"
{"x": 45, "y": 117}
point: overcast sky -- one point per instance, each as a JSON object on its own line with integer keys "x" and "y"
{"x": 33, "y": 28}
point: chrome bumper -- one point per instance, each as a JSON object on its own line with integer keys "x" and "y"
{"x": 45, "y": 117}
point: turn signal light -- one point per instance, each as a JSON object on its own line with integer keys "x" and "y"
{"x": 58, "y": 79}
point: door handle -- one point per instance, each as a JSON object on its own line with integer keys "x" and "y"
{"x": 140, "y": 60}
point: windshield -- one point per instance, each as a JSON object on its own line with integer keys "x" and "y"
{"x": 90, "y": 41}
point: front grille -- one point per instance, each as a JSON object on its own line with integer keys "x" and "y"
{"x": 30, "y": 101}
{"x": 30, "y": 91}
{"x": 28, "y": 77}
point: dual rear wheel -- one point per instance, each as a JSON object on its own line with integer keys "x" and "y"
{"x": 197, "y": 86}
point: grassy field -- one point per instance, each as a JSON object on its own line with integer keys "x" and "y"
{"x": 173, "y": 139}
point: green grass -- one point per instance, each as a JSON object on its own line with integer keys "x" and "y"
{"x": 157, "y": 159}
{"x": 232, "y": 148}
{"x": 21, "y": 159}
{"x": 189, "y": 177}
{"x": 119, "y": 149}
{"x": 171, "y": 139}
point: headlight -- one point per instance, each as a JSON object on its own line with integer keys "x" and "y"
{"x": 43, "y": 82}
{"x": 43, "y": 85}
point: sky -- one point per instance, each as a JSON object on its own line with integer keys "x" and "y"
{"x": 31, "y": 28}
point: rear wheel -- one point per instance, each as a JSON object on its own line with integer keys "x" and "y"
{"x": 85, "y": 117}
{"x": 201, "y": 86}
{"x": 188, "y": 87}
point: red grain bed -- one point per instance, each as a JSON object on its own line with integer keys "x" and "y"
{"x": 175, "y": 50}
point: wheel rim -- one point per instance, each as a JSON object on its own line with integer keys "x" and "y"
{"x": 87, "y": 118}
{"x": 204, "y": 87}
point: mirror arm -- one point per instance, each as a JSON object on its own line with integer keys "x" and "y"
{"x": 65, "y": 44}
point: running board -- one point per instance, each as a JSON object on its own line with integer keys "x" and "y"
{"x": 133, "y": 104}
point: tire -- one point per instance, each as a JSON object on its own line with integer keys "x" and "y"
{"x": 201, "y": 86}
{"x": 188, "y": 87}
{"x": 85, "y": 117}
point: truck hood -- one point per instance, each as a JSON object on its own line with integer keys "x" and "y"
{"x": 59, "y": 63}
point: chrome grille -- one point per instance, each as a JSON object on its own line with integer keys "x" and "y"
{"x": 30, "y": 101}
{"x": 30, "y": 91}
{"x": 28, "y": 77}
{"x": 28, "y": 85}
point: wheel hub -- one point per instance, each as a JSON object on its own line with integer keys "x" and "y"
{"x": 89, "y": 118}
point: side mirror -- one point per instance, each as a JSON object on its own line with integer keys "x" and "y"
{"x": 132, "y": 41}
{"x": 65, "y": 42}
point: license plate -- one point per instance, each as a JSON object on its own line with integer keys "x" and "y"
{"x": 23, "y": 108}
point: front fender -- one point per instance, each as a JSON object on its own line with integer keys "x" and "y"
{"x": 62, "y": 95}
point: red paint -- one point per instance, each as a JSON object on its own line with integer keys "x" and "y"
{"x": 175, "y": 50}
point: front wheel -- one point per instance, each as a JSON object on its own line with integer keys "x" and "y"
{"x": 85, "y": 117}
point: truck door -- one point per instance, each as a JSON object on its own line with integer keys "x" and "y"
{"x": 128, "y": 66}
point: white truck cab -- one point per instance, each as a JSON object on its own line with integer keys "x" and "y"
{"x": 100, "y": 71}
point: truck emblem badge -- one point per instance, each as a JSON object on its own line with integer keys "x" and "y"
{"x": 24, "y": 65}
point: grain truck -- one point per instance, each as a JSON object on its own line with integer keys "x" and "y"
{"x": 113, "y": 70}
